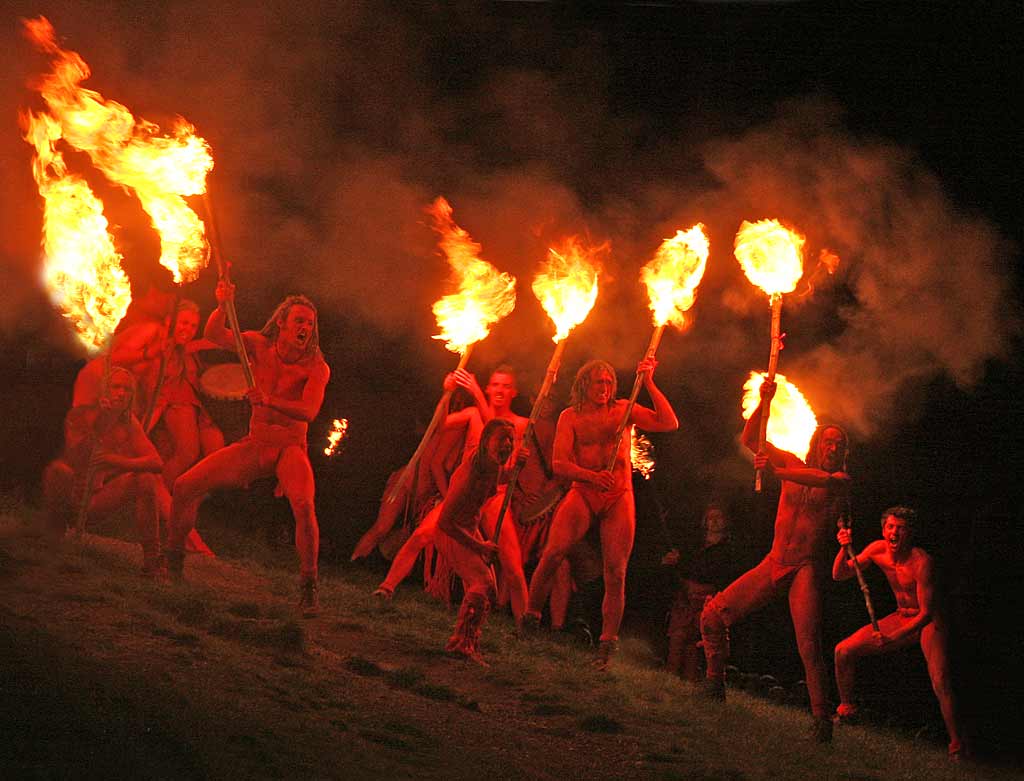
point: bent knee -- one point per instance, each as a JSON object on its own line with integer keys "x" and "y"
{"x": 713, "y": 618}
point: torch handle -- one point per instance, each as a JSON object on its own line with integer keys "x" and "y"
{"x": 513, "y": 478}
{"x": 652, "y": 348}
{"x": 229, "y": 305}
{"x": 94, "y": 436}
{"x": 440, "y": 413}
{"x": 147, "y": 420}
{"x": 852, "y": 556}
{"x": 773, "y": 364}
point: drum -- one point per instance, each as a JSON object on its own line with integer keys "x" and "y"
{"x": 224, "y": 387}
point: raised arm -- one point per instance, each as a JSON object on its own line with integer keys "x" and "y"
{"x": 138, "y": 344}
{"x": 662, "y": 417}
{"x": 217, "y": 329}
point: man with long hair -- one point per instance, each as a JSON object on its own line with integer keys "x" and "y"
{"x": 917, "y": 618}
{"x": 126, "y": 468}
{"x": 290, "y": 378}
{"x": 584, "y": 446}
{"x": 458, "y": 535}
{"x": 809, "y": 505}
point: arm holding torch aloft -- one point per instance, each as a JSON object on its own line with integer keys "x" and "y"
{"x": 847, "y": 562}
{"x": 773, "y": 364}
{"x": 642, "y": 375}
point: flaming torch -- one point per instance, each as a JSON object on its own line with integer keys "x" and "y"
{"x": 641, "y": 454}
{"x": 339, "y": 428}
{"x": 792, "y": 424}
{"x": 671, "y": 277}
{"x": 567, "y": 289}
{"x": 485, "y": 295}
{"x": 772, "y": 258}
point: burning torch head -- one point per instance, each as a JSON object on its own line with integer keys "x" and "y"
{"x": 828, "y": 449}
{"x": 295, "y": 323}
{"x": 595, "y": 382}
{"x": 898, "y": 525}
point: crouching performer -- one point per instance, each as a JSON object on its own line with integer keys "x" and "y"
{"x": 126, "y": 469}
{"x": 809, "y": 505}
{"x": 459, "y": 538}
{"x": 290, "y": 378}
{"x": 909, "y": 571}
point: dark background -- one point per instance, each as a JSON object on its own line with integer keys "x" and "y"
{"x": 886, "y": 132}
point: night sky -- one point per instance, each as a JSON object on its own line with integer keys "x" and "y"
{"x": 885, "y": 131}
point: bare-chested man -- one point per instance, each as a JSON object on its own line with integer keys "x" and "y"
{"x": 458, "y": 533}
{"x": 808, "y": 508}
{"x": 909, "y": 571}
{"x": 584, "y": 440}
{"x": 127, "y": 468}
{"x": 291, "y": 376}
{"x": 494, "y": 402}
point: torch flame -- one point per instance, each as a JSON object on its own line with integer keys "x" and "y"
{"x": 337, "y": 433}
{"x": 641, "y": 454}
{"x": 567, "y": 285}
{"x": 791, "y": 423}
{"x": 83, "y": 268}
{"x": 673, "y": 274}
{"x": 771, "y": 255}
{"x": 159, "y": 169}
{"x": 485, "y": 294}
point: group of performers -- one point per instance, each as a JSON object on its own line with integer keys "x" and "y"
{"x": 567, "y": 510}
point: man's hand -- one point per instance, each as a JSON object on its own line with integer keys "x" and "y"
{"x": 604, "y": 480}
{"x": 256, "y": 396}
{"x": 763, "y": 463}
{"x": 845, "y": 537}
{"x": 768, "y": 388}
{"x": 488, "y": 551}
{"x": 646, "y": 368}
{"x": 224, "y": 292}
{"x": 671, "y": 558}
{"x": 109, "y": 459}
{"x": 522, "y": 454}
{"x": 880, "y": 640}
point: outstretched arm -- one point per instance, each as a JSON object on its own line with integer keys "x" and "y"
{"x": 662, "y": 417}
{"x": 217, "y": 329}
{"x": 842, "y": 567}
{"x": 794, "y": 470}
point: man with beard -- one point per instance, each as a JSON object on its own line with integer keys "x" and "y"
{"x": 917, "y": 619}
{"x": 807, "y": 511}
{"x": 584, "y": 445}
{"x": 290, "y": 378}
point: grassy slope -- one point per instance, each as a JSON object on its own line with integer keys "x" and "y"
{"x": 107, "y": 674}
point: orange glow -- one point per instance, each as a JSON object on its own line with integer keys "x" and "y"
{"x": 771, "y": 255}
{"x": 82, "y": 270}
{"x": 641, "y": 453}
{"x": 339, "y": 428}
{"x": 158, "y": 169}
{"x": 485, "y": 295}
{"x": 791, "y": 422}
{"x": 673, "y": 274}
{"x": 567, "y": 285}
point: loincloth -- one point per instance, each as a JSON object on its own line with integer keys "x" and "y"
{"x": 598, "y": 500}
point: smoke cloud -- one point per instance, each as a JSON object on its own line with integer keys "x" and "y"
{"x": 333, "y": 128}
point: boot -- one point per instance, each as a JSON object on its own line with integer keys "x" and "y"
{"x": 309, "y": 596}
{"x": 472, "y": 614}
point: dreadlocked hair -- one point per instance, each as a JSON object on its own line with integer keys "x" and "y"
{"x": 480, "y": 456}
{"x": 812, "y": 449}
{"x": 581, "y": 384}
{"x": 271, "y": 329}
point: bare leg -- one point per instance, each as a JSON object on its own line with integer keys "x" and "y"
{"x": 510, "y": 557}
{"x": 58, "y": 484}
{"x": 617, "y": 531}
{"x": 295, "y": 475}
{"x": 933, "y": 644}
{"x": 406, "y": 556}
{"x": 745, "y": 594}
{"x": 183, "y": 428}
{"x": 805, "y": 609}
{"x": 386, "y": 517}
{"x": 561, "y": 593}
{"x": 570, "y": 524}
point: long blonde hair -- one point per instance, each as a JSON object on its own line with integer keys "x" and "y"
{"x": 581, "y": 384}
{"x": 271, "y": 329}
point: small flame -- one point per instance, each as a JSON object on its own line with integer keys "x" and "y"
{"x": 485, "y": 294}
{"x": 829, "y": 260}
{"x": 82, "y": 270}
{"x": 771, "y": 255}
{"x": 641, "y": 453}
{"x": 567, "y": 285}
{"x": 673, "y": 274}
{"x": 159, "y": 169}
{"x": 339, "y": 428}
{"x": 791, "y": 423}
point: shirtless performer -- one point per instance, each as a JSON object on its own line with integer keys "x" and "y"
{"x": 127, "y": 468}
{"x": 458, "y": 534}
{"x": 909, "y": 571}
{"x": 492, "y": 403}
{"x": 584, "y": 439}
{"x": 189, "y": 429}
{"x": 808, "y": 508}
{"x": 291, "y": 376}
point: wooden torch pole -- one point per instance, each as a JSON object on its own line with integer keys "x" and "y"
{"x": 773, "y": 363}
